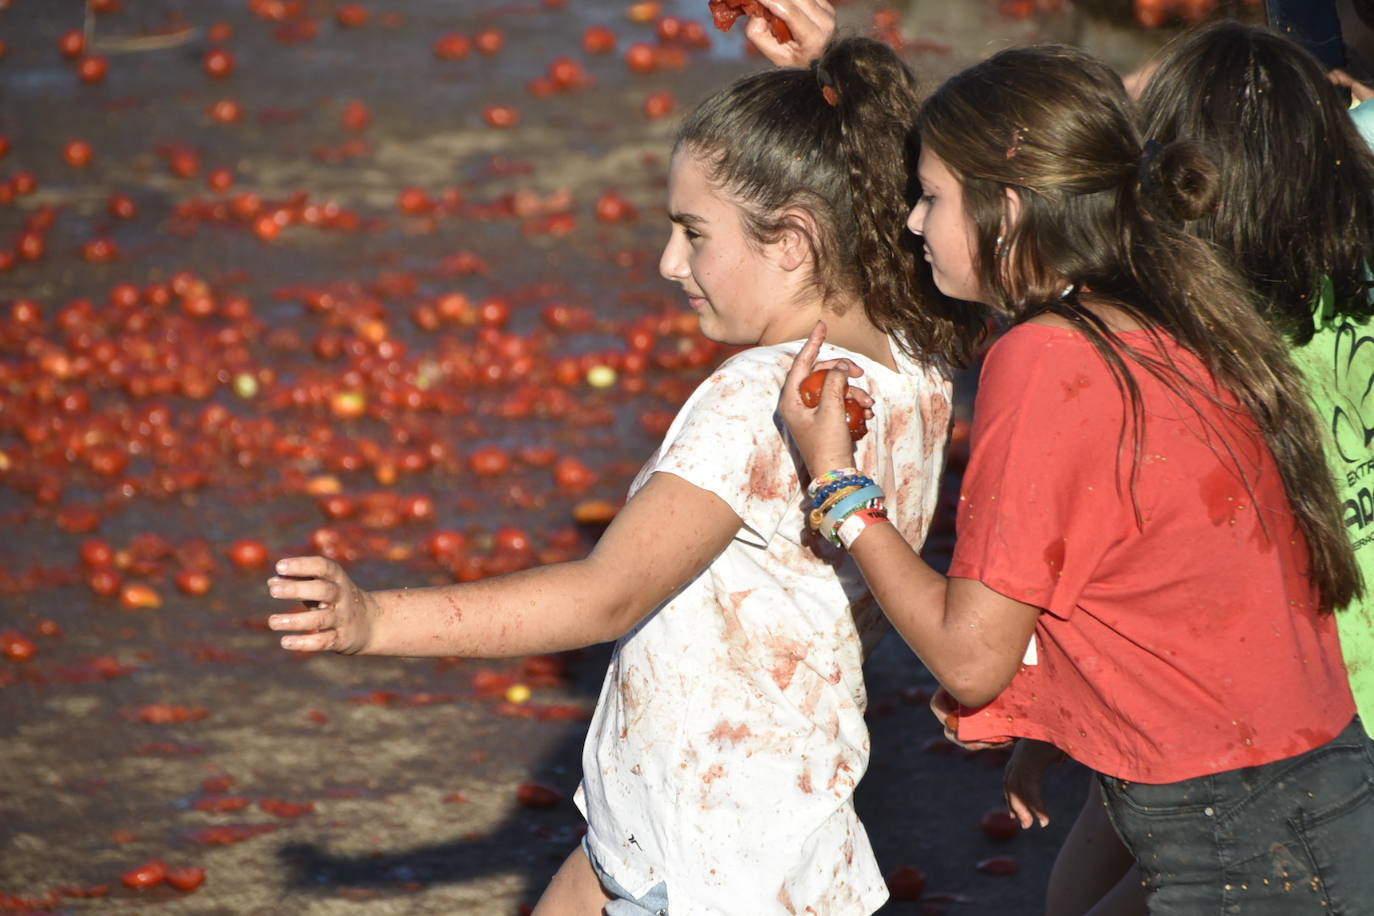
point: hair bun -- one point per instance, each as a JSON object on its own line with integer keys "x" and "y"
{"x": 1179, "y": 179}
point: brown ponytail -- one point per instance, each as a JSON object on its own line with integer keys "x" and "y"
{"x": 834, "y": 141}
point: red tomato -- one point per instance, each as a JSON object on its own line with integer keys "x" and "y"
{"x": 500, "y": 116}
{"x": 643, "y": 11}
{"x": 512, "y": 540}
{"x": 494, "y": 312}
{"x": 598, "y": 39}
{"x": 999, "y": 824}
{"x": 659, "y": 104}
{"x": 248, "y": 553}
{"x": 572, "y": 476}
{"x": 537, "y": 795}
{"x": 72, "y": 44}
{"x": 31, "y": 246}
{"x": 285, "y": 808}
{"x": 95, "y": 552}
{"x": 906, "y": 882}
{"x": 351, "y": 15}
{"x": 1151, "y": 13}
{"x": 853, "y": 413}
{"x": 137, "y": 596}
{"x": 489, "y": 41}
{"x": 452, "y": 46}
{"x": 998, "y": 865}
{"x": 100, "y": 250}
{"x": 150, "y": 874}
{"x": 186, "y": 878}
{"x": 78, "y": 153}
{"x": 356, "y": 116}
{"x": 220, "y": 180}
{"x": 226, "y": 111}
{"x": 566, "y": 73}
{"x": 669, "y": 29}
{"x": 640, "y": 57}
{"x": 104, "y": 581}
{"x": 489, "y": 461}
{"x": 24, "y": 182}
{"x": 193, "y": 582}
{"x": 16, "y": 646}
{"x": 414, "y": 201}
{"x": 218, "y": 63}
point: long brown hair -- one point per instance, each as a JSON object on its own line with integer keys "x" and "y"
{"x": 833, "y": 141}
{"x": 1054, "y": 125}
{"x": 1296, "y": 197}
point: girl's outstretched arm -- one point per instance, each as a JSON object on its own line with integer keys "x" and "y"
{"x": 666, "y": 534}
{"x": 969, "y": 636}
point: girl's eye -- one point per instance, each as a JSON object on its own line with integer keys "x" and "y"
{"x": 691, "y": 234}
{"x": 927, "y": 199}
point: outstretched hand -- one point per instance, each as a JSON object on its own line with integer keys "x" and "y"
{"x": 338, "y": 615}
{"x": 811, "y": 22}
{"x": 821, "y": 432}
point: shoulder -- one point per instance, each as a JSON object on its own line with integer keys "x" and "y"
{"x": 759, "y": 364}
{"x": 1039, "y": 346}
{"x": 1047, "y": 368}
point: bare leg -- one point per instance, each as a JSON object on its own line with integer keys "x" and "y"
{"x": 574, "y": 890}
{"x": 1093, "y": 872}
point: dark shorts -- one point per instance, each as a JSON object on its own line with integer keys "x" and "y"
{"x": 1289, "y": 837}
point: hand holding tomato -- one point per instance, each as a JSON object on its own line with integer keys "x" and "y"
{"x": 854, "y": 413}
{"x": 338, "y": 616}
{"x": 946, "y": 709}
{"x": 811, "y": 24}
{"x": 824, "y": 432}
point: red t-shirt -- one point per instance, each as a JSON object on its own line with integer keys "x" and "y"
{"x": 1186, "y": 646}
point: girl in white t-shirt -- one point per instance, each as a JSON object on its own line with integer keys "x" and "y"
{"x": 721, "y": 762}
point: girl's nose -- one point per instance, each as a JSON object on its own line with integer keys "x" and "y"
{"x": 672, "y": 265}
{"x": 916, "y": 218}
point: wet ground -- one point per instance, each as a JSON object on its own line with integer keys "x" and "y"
{"x": 359, "y": 319}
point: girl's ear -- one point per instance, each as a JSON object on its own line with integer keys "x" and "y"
{"x": 796, "y": 246}
{"x": 1011, "y": 210}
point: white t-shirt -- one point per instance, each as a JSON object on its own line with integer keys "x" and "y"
{"x": 730, "y": 731}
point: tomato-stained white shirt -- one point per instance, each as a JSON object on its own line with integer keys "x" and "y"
{"x": 730, "y": 731}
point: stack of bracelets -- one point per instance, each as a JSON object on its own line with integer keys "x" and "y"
{"x": 843, "y": 504}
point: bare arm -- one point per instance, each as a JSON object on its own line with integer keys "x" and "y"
{"x": 666, "y": 534}
{"x": 969, "y": 636}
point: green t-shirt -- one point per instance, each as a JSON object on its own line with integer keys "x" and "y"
{"x": 1338, "y": 363}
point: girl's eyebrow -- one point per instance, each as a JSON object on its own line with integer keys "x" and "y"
{"x": 686, "y": 219}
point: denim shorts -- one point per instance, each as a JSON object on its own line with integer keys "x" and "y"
{"x": 654, "y": 903}
{"x": 1285, "y": 838}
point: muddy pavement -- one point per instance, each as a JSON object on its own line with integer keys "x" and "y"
{"x": 304, "y": 296}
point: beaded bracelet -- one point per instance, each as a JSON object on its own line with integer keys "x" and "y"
{"x": 818, "y": 514}
{"x": 824, "y": 493}
{"x": 830, "y": 477}
{"x": 867, "y": 498}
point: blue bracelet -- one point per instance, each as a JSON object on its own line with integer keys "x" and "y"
{"x": 824, "y": 492}
{"x": 847, "y": 506}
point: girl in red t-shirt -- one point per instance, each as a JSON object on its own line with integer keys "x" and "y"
{"x": 1149, "y": 542}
